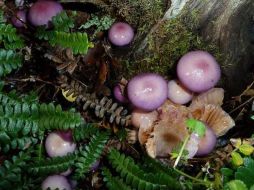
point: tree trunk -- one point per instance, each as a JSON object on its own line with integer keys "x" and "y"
{"x": 227, "y": 23}
{"x": 230, "y": 24}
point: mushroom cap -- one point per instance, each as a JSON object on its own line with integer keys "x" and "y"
{"x": 41, "y": 12}
{"x": 121, "y": 34}
{"x": 56, "y": 181}
{"x": 177, "y": 93}
{"x": 59, "y": 144}
{"x": 147, "y": 91}
{"x": 198, "y": 71}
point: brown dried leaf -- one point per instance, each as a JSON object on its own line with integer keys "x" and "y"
{"x": 102, "y": 76}
{"x": 214, "y": 96}
{"x": 215, "y": 117}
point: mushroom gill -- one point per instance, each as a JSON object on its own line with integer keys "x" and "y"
{"x": 168, "y": 131}
{"x": 215, "y": 117}
{"x": 213, "y": 96}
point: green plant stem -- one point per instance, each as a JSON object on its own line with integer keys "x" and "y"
{"x": 206, "y": 183}
{"x": 181, "y": 151}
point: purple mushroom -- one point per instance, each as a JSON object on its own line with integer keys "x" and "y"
{"x": 119, "y": 94}
{"x": 147, "y": 91}
{"x": 120, "y": 34}
{"x": 19, "y": 19}
{"x": 198, "y": 71}
{"x": 41, "y": 12}
{"x": 59, "y": 144}
{"x": 207, "y": 143}
{"x": 56, "y": 182}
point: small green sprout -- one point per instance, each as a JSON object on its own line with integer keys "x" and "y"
{"x": 194, "y": 126}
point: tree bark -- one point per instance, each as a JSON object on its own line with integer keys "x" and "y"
{"x": 227, "y": 23}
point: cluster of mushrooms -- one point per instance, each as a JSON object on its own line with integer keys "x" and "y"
{"x": 161, "y": 108}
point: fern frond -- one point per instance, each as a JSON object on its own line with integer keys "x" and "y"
{"x": 20, "y": 143}
{"x": 62, "y": 22}
{"x": 18, "y": 44}
{"x": 2, "y": 19}
{"x": 9, "y": 60}
{"x": 8, "y": 34}
{"x": 136, "y": 177}
{"x": 13, "y": 98}
{"x": 43, "y": 34}
{"x": 154, "y": 166}
{"x": 84, "y": 132}
{"x": 53, "y": 117}
{"x": 11, "y": 171}
{"x": 113, "y": 183}
{"x": 17, "y": 126}
{"x": 90, "y": 154}
{"x": 52, "y": 165}
{"x": 78, "y": 41}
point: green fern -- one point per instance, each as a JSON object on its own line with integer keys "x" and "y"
{"x": 11, "y": 171}
{"x": 52, "y": 165}
{"x": 9, "y": 60}
{"x": 90, "y": 154}
{"x": 8, "y": 35}
{"x": 113, "y": 183}
{"x": 62, "y": 22}
{"x": 20, "y": 143}
{"x": 43, "y": 34}
{"x": 136, "y": 177}
{"x": 53, "y": 117}
{"x": 154, "y": 166}
{"x": 84, "y": 132}
{"x": 17, "y": 126}
{"x": 77, "y": 41}
{"x": 13, "y": 98}
{"x": 2, "y": 19}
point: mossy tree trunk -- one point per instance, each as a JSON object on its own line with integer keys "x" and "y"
{"x": 229, "y": 24}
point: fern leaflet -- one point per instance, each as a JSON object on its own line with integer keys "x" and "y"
{"x": 52, "y": 165}
{"x": 8, "y": 35}
{"x": 90, "y": 154}
{"x": 62, "y": 22}
{"x": 10, "y": 171}
{"x": 9, "y": 60}
{"x": 84, "y": 132}
{"x": 53, "y": 117}
{"x": 78, "y": 41}
{"x": 113, "y": 183}
{"x": 136, "y": 177}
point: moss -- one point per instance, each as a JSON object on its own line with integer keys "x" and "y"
{"x": 165, "y": 46}
{"x": 141, "y": 14}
